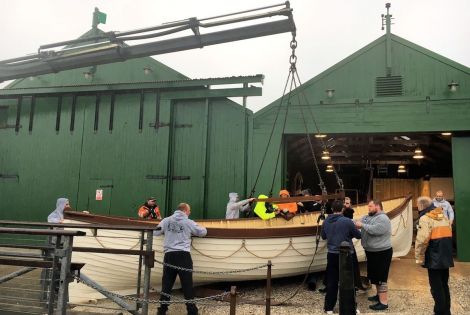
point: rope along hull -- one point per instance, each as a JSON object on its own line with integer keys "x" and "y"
{"x": 220, "y": 259}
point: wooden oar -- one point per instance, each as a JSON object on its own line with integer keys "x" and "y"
{"x": 339, "y": 195}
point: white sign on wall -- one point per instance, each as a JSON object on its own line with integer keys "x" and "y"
{"x": 99, "y": 194}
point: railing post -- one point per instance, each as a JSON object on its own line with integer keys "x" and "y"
{"x": 45, "y": 272}
{"x": 268, "y": 289}
{"x": 149, "y": 263}
{"x": 347, "y": 296}
{"x": 233, "y": 300}
{"x": 66, "y": 259}
{"x": 139, "y": 271}
{"x": 52, "y": 284}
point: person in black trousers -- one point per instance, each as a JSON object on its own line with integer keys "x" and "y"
{"x": 348, "y": 212}
{"x": 336, "y": 229}
{"x": 433, "y": 250}
{"x": 178, "y": 230}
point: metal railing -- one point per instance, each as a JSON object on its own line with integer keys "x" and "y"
{"x": 54, "y": 263}
{"x": 146, "y": 255}
{"x": 60, "y": 273}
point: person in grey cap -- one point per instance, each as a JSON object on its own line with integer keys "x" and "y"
{"x": 234, "y": 206}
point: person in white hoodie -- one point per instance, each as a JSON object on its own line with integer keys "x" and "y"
{"x": 178, "y": 230}
{"x": 57, "y": 216}
{"x": 234, "y": 206}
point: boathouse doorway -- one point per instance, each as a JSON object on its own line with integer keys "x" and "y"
{"x": 372, "y": 165}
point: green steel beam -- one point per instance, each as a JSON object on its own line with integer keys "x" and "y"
{"x": 236, "y": 92}
{"x": 173, "y": 94}
{"x": 133, "y": 86}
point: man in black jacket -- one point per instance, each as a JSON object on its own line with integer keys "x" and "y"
{"x": 336, "y": 229}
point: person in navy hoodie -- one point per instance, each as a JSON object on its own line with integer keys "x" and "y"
{"x": 336, "y": 229}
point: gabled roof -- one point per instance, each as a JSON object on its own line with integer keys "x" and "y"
{"x": 379, "y": 41}
{"x": 431, "y": 54}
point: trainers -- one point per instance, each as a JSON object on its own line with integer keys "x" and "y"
{"x": 374, "y": 298}
{"x": 378, "y": 307}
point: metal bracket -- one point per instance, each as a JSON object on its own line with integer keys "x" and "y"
{"x": 60, "y": 252}
{"x": 9, "y": 126}
{"x": 166, "y": 177}
{"x": 161, "y": 124}
{"x": 9, "y": 176}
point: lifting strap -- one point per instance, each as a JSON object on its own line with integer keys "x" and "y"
{"x": 293, "y": 81}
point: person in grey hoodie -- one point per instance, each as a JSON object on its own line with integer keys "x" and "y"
{"x": 234, "y": 206}
{"x": 178, "y": 230}
{"x": 57, "y": 216}
{"x": 376, "y": 232}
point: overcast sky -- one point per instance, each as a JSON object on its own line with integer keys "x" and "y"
{"x": 327, "y": 32}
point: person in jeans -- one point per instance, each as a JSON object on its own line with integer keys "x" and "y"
{"x": 376, "y": 232}
{"x": 178, "y": 230}
{"x": 336, "y": 229}
{"x": 433, "y": 250}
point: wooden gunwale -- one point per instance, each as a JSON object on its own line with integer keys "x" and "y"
{"x": 232, "y": 233}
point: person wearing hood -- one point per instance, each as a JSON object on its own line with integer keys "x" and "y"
{"x": 336, "y": 229}
{"x": 57, "y": 216}
{"x": 178, "y": 230}
{"x": 265, "y": 210}
{"x": 440, "y": 202}
{"x": 288, "y": 209}
{"x": 234, "y": 206}
{"x": 433, "y": 250}
{"x": 376, "y": 238}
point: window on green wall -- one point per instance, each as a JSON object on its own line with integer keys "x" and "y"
{"x": 3, "y": 116}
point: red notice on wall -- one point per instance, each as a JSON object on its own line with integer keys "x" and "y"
{"x": 99, "y": 194}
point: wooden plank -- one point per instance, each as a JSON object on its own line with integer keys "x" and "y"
{"x": 141, "y": 227}
{"x": 38, "y": 247}
{"x": 112, "y": 251}
{"x": 26, "y": 262}
{"x": 302, "y": 198}
{"x": 40, "y": 232}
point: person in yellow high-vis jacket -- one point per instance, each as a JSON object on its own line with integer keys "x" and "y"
{"x": 265, "y": 210}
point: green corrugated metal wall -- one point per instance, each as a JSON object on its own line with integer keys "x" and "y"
{"x": 204, "y": 140}
{"x": 460, "y": 155}
{"x": 426, "y": 105}
{"x": 200, "y": 146}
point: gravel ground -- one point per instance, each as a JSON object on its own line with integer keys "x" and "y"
{"x": 408, "y": 294}
{"x": 414, "y": 300}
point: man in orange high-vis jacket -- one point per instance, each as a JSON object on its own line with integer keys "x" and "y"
{"x": 150, "y": 210}
{"x": 290, "y": 206}
{"x": 433, "y": 250}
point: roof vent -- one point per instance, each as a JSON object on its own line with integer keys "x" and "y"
{"x": 389, "y": 86}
